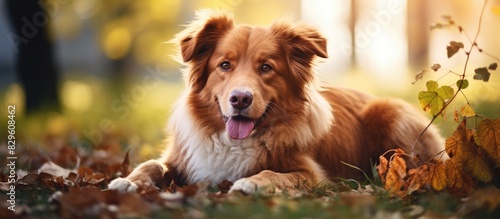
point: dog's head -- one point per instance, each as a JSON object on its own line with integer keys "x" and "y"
{"x": 245, "y": 75}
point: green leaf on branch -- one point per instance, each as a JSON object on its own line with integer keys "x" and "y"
{"x": 434, "y": 99}
{"x": 467, "y": 111}
{"x": 493, "y": 66}
{"x": 453, "y": 48}
{"x": 445, "y": 92}
{"x": 432, "y": 85}
{"x": 482, "y": 74}
{"x": 462, "y": 84}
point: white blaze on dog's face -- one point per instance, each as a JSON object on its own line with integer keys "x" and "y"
{"x": 252, "y": 77}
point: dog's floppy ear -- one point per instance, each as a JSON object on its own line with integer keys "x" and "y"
{"x": 303, "y": 40}
{"x": 200, "y": 37}
{"x": 198, "y": 41}
{"x": 301, "y": 44}
{"x": 313, "y": 41}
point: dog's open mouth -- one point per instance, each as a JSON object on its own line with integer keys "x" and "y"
{"x": 239, "y": 127}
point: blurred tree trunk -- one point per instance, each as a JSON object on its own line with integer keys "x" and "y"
{"x": 353, "y": 16}
{"x": 35, "y": 62}
{"x": 418, "y": 34}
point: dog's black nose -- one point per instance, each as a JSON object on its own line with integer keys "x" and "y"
{"x": 240, "y": 99}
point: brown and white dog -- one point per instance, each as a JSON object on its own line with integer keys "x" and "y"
{"x": 254, "y": 114}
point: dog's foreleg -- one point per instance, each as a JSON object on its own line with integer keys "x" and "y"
{"x": 308, "y": 175}
{"x": 147, "y": 174}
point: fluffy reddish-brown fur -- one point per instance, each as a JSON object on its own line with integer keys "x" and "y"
{"x": 253, "y": 113}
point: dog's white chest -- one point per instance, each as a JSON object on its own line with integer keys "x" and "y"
{"x": 218, "y": 159}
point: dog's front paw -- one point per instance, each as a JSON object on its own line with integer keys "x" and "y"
{"x": 123, "y": 185}
{"x": 245, "y": 185}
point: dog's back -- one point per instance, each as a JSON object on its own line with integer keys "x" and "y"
{"x": 365, "y": 127}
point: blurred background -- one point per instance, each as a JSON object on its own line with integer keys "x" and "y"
{"x": 100, "y": 74}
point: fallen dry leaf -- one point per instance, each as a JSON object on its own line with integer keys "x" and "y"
{"x": 395, "y": 175}
{"x": 454, "y": 144}
{"x": 419, "y": 177}
{"x": 382, "y": 168}
{"x": 438, "y": 176}
{"x": 461, "y": 146}
{"x": 487, "y": 137}
{"x": 91, "y": 202}
{"x": 460, "y": 183}
{"x": 54, "y": 169}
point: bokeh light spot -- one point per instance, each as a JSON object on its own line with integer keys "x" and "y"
{"x": 76, "y": 96}
{"x": 116, "y": 41}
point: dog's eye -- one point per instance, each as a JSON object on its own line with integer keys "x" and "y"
{"x": 265, "y": 68}
{"x": 225, "y": 65}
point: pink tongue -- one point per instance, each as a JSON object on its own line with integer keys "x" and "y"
{"x": 239, "y": 129}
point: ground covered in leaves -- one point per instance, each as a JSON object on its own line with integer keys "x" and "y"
{"x": 69, "y": 182}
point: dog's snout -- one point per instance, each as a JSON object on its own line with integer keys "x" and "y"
{"x": 240, "y": 99}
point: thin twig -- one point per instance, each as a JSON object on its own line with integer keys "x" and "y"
{"x": 467, "y": 35}
{"x": 489, "y": 55}
{"x": 465, "y": 97}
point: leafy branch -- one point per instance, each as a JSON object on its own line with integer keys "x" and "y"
{"x": 474, "y": 153}
{"x": 437, "y": 99}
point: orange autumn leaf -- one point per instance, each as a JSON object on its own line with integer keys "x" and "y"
{"x": 382, "y": 168}
{"x": 395, "y": 175}
{"x": 487, "y": 137}
{"x": 454, "y": 144}
{"x": 398, "y": 164}
{"x": 461, "y": 147}
{"x": 438, "y": 176}
{"x": 475, "y": 162}
{"x": 419, "y": 177}
{"x": 459, "y": 182}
